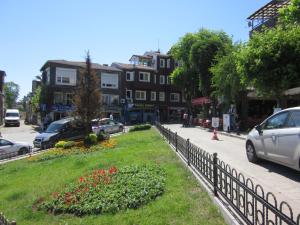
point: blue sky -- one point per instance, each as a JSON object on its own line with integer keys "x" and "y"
{"x": 34, "y": 31}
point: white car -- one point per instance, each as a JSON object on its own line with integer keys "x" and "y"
{"x": 9, "y": 148}
{"x": 277, "y": 139}
{"x": 106, "y": 125}
{"x": 12, "y": 117}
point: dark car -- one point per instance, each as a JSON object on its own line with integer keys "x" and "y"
{"x": 64, "y": 129}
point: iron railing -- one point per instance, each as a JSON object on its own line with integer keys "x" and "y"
{"x": 248, "y": 201}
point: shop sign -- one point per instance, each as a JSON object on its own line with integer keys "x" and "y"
{"x": 215, "y": 122}
{"x": 226, "y": 122}
{"x": 201, "y": 101}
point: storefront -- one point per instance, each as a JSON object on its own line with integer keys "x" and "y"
{"x": 141, "y": 113}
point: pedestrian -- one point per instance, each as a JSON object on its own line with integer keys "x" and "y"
{"x": 111, "y": 116}
{"x": 185, "y": 119}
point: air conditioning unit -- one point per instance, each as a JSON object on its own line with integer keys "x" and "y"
{"x": 122, "y": 101}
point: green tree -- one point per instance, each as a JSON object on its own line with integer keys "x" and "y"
{"x": 271, "y": 61}
{"x": 87, "y": 97}
{"x": 36, "y": 99}
{"x": 291, "y": 13}
{"x": 11, "y": 91}
{"x": 203, "y": 52}
{"x": 185, "y": 76}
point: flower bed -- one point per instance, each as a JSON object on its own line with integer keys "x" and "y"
{"x": 79, "y": 148}
{"x": 108, "y": 191}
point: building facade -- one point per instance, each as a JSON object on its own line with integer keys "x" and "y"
{"x": 2, "y": 76}
{"x": 61, "y": 79}
{"x": 147, "y": 93}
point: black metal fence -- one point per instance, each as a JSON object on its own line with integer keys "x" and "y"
{"x": 4, "y": 221}
{"x": 248, "y": 201}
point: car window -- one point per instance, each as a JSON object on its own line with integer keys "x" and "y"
{"x": 111, "y": 122}
{"x": 277, "y": 121}
{"x": 294, "y": 120}
{"x": 54, "y": 128}
{"x": 4, "y": 142}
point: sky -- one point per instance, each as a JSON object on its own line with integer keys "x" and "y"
{"x": 34, "y": 31}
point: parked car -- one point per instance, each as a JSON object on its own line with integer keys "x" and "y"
{"x": 277, "y": 139}
{"x": 64, "y": 129}
{"x": 106, "y": 125}
{"x": 12, "y": 117}
{"x": 11, "y": 148}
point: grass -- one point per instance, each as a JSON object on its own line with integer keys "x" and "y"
{"x": 24, "y": 183}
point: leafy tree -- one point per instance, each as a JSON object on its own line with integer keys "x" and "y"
{"x": 36, "y": 99}
{"x": 208, "y": 45}
{"x": 291, "y": 13}
{"x": 87, "y": 97}
{"x": 11, "y": 91}
{"x": 185, "y": 76}
{"x": 271, "y": 61}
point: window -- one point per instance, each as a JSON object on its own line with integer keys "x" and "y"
{"x": 140, "y": 95}
{"x": 174, "y": 97}
{"x": 154, "y": 79}
{"x": 162, "y": 79}
{"x": 65, "y": 76}
{"x": 48, "y": 75}
{"x": 168, "y": 80}
{"x": 153, "y": 96}
{"x": 162, "y": 63}
{"x": 183, "y": 99}
{"x": 109, "y": 80}
{"x": 58, "y": 98}
{"x": 129, "y": 94}
{"x": 168, "y": 63}
{"x": 110, "y": 99}
{"x": 129, "y": 76}
{"x": 277, "y": 121}
{"x": 145, "y": 77}
{"x": 294, "y": 120}
{"x": 68, "y": 99}
{"x": 161, "y": 96}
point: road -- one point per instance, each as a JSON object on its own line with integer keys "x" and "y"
{"x": 24, "y": 133}
{"x": 280, "y": 180}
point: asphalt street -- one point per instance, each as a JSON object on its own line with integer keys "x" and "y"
{"x": 280, "y": 180}
{"x": 24, "y": 133}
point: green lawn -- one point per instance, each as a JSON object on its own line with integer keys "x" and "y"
{"x": 22, "y": 183}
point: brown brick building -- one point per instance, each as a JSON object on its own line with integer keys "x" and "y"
{"x": 146, "y": 91}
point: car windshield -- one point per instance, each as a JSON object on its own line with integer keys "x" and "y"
{"x": 54, "y": 128}
{"x": 12, "y": 114}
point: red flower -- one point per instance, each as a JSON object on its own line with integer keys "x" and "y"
{"x": 112, "y": 170}
{"x": 81, "y": 179}
{"x": 101, "y": 172}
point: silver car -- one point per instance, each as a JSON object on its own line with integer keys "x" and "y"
{"x": 277, "y": 139}
{"x": 106, "y": 125}
{"x": 9, "y": 148}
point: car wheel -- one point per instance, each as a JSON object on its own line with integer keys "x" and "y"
{"x": 23, "y": 151}
{"x": 251, "y": 154}
{"x": 120, "y": 129}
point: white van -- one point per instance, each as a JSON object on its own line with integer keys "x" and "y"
{"x": 12, "y": 117}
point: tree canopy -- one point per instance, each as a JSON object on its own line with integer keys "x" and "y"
{"x": 291, "y": 13}
{"x": 271, "y": 60}
{"x": 11, "y": 92}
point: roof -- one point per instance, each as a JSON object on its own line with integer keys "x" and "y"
{"x": 95, "y": 66}
{"x": 150, "y": 53}
{"x": 142, "y": 57}
{"x": 269, "y": 10}
{"x": 2, "y": 73}
{"x": 131, "y": 66}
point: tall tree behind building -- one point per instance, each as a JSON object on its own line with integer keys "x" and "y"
{"x": 87, "y": 97}
{"x": 11, "y": 91}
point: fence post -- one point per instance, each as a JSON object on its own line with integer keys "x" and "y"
{"x": 176, "y": 142}
{"x": 215, "y": 173}
{"x": 169, "y": 135}
{"x": 188, "y": 151}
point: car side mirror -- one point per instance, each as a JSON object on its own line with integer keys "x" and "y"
{"x": 259, "y": 129}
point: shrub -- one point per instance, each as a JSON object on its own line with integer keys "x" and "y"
{"x": 90, "y": 139}
{"x": 69, "y": 144}
{"x": 101, "y": 136}
{"x": 60, "y": 144}
{"x": 109, "y": 191}
{"x": 140, "y": 127}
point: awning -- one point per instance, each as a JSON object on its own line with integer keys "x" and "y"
{"x": 201, "y": 101}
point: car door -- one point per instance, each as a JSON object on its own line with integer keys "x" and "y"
{"x": 270, "y": 131}
{"x": 7, "y": 149}
{"x": 114, "y": 126}
{"x": 289, "y": 140}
